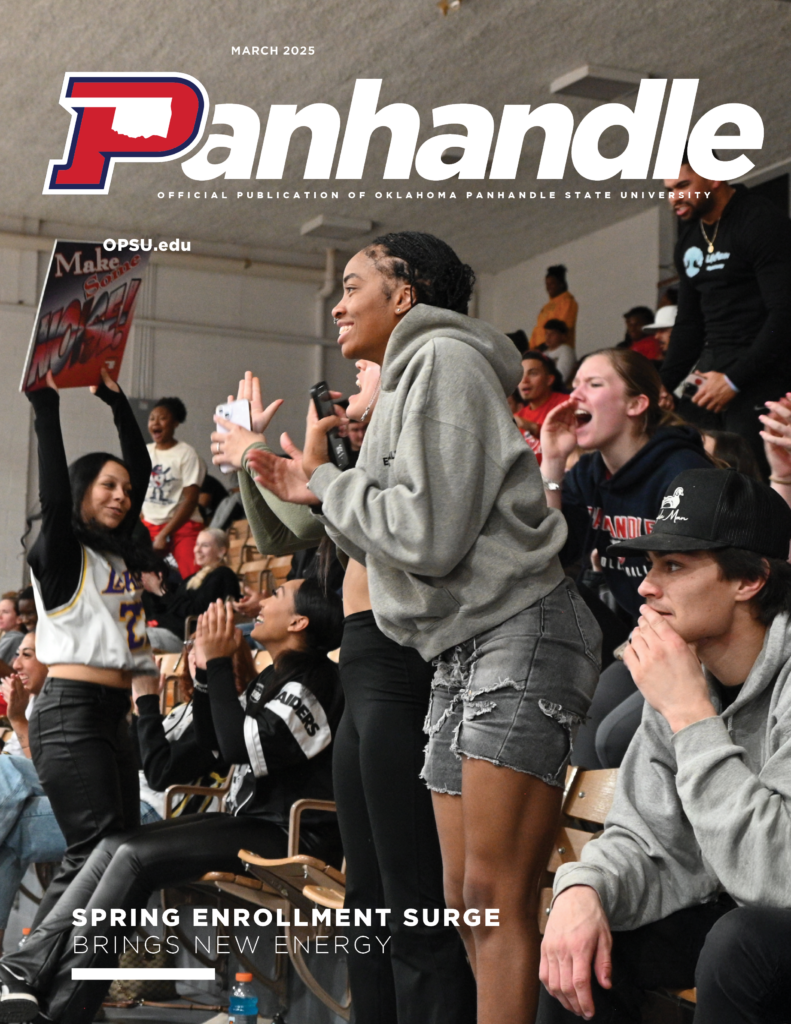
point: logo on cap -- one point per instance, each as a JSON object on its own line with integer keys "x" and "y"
{"x": 670, "y": 504}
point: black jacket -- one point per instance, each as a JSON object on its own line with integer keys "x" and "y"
{"x": 280, "y": 738}
{"x": 734, "y": 305}
{"x": 600, "y": 510}
{"x": 169, "y": 749}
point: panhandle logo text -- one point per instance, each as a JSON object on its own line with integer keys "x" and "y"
{"x": 154, "y": 117}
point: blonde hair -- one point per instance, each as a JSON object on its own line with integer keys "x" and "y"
{"x": 220, "y": 538}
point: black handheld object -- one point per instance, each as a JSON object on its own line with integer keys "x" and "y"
{"x": 337, "y": 446}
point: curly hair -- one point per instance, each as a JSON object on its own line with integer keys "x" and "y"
{"x": 428, "y": 265}
{"x": 174, "y": 406}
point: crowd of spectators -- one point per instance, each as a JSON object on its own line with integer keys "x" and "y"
{"x": 665, "y": 460}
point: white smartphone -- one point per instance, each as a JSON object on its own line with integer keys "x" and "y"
{"x": 234, "y": 412}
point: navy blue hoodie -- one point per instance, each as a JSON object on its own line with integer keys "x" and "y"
{"x": 599, "y": 510}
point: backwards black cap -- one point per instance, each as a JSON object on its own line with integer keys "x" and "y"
{"x": 705, "y": 509}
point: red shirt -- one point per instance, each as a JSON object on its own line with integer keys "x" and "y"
{"x": 538, "y": 416}
{"x": 648, "y": 347}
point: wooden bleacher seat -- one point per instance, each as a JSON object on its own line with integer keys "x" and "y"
{"x": 215, "y": 885}
{"x": 587, "y": 798}
{"x": 174, "y": 667}
{"x": 274, "y": 885}
{"x": 252, "y": 573}
{"x": 239, "y": 539}
{"x": 280, "y": 567}
{"x": 303, "y": 882}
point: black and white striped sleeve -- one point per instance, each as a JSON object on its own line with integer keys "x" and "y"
{"x": 288, "y": 730}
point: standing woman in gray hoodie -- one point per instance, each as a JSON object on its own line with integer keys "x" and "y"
{"x": 446, "y": 510}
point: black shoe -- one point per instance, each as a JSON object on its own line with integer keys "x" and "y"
{"x": 18, "y": 1004}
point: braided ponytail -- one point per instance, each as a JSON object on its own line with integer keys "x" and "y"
{"x": 428, "y": 265}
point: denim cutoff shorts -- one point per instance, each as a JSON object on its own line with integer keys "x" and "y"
{"x": 516, "y": 694}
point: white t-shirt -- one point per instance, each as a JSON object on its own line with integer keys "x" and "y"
{"x": 565, "y": 358}
{"x": 172, "y": 469}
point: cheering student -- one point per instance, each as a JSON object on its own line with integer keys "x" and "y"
{"x": 170, "y": 511}
{"x": 280, "y": 742}
{"x": 446, "y": 509}
{"x": 635, "y": 449}
{"x": 413, "y": 974}
{"x": 540, "y": 391}
{"x": 167, "y": 613}
{"x": 91, "y": 630}
{"x": 689, "y": 882}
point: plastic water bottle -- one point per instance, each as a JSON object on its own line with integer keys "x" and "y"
{"x": 244, "y": 1002}
{"x": 23, "y": 940}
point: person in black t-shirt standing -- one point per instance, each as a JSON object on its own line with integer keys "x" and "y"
{"x": 733, "y": 258}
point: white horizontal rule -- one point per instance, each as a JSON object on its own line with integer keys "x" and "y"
{"x": 142, "y": 974}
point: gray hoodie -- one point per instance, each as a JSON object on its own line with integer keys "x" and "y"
{"x": 706, "y": 810}
{"x": 446, "y": 506}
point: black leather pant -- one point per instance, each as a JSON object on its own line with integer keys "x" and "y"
{"x": 390, "y": 839}
{"x": 80, "y": 743}
{"x": 122, "y": 873}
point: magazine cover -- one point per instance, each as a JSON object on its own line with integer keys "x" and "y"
{"x": 355, "y": 357}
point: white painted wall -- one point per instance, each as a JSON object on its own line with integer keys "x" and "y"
{"x": 609, "y": 271}
{"x": 199, "y": 332}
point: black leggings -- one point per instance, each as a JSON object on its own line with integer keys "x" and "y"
{"x": 122, "y": 873}
{"x": 80, "y": 743}
{"x": 390, "y": 837}
{"x": 739, "y": 959}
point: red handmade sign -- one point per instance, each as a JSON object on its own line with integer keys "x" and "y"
{"x": 84, "y": 316}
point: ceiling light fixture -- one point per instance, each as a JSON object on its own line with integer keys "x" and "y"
{"x": 595, "y": 82}
{"x": 341, "y": 228}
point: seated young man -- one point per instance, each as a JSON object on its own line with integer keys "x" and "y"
{"x": 690, "y": 882}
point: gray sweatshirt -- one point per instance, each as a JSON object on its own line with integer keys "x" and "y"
{"x": 446, "y": 506}
{"x": 706, "y": 810}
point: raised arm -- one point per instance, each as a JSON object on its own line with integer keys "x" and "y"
{"x": 165, "y": 761}
{"x": 56, "y": 557}
{"x": 133, "y": 446}
{"x": 279, "y": 527}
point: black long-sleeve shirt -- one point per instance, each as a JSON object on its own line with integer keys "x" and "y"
{"x": 734, "y": 305}
{"x": 56, "y": 557}
{"x": 169, "y": 752}
{"x": 281, "y": 741}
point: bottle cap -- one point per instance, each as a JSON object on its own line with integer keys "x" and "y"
{"x": 244, "y": 977}
{"x": 26, "y": 931}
